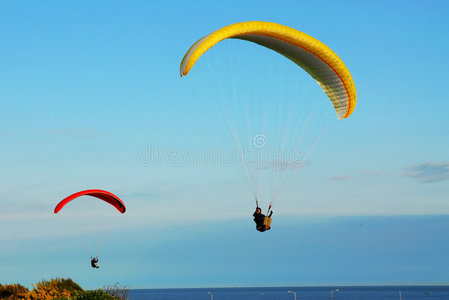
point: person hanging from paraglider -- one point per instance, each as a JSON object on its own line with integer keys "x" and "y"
{"x": 263, "y": 222}
{"x": 94, "y": 262}
{"x": 106, "y": 196}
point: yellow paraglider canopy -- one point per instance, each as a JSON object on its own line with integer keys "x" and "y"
{"x": 307, "y": 52}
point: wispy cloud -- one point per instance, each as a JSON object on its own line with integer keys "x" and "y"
{"x": 372, "y": 173}
{"x": 350, "y": 177}
{"x": 428, "y": 172}
{"x": 78, "y": 133}
{"x": 341, "y": 177}
{"x": 24, "y": 211}
{"x": 282, "y": 165}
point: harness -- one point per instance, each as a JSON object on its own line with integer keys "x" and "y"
{"x": 267, "y": 220}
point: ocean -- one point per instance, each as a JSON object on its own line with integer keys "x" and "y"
{"x": 282, "y": 293}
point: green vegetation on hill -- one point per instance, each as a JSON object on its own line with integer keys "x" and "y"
{"x": 61, "y": 289}
{"x": 12, "y": 291}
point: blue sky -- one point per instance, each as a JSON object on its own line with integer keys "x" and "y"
{"x": 86, "y": 88}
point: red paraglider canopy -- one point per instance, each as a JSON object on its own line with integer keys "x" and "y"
{"x": 100, "y": 194}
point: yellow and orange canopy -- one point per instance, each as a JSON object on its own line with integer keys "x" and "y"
{"x": 307, "y": 52}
